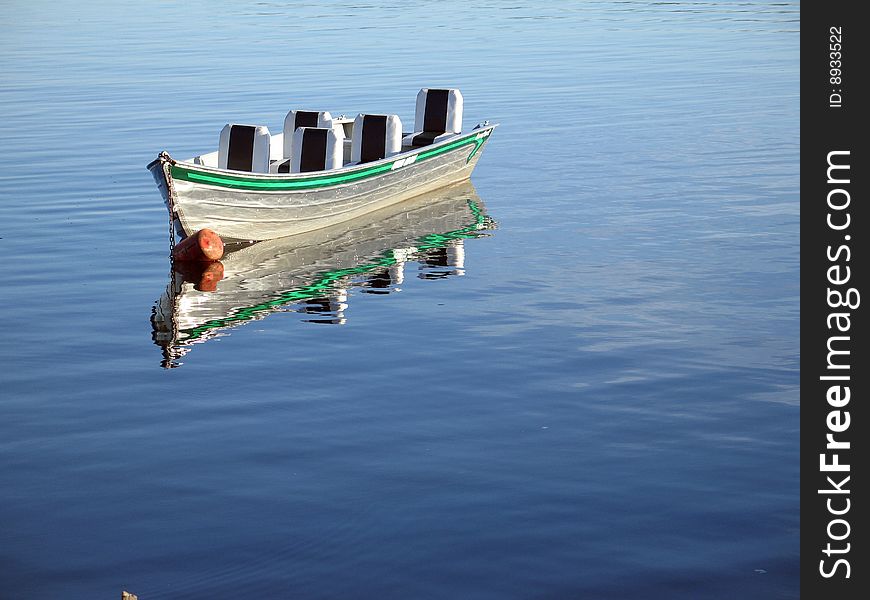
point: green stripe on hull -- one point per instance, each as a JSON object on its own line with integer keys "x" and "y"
{"x": 305, "y": 183}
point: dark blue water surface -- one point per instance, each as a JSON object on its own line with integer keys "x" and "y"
{"x": 600, "y": 401}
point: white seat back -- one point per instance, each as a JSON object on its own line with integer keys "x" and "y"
{"x": 244, "y": 148}
{"x": 375, "y": 137}
{"x": 315, "y": 149}
{"x": 438, "y": 111}
{"x": 306, "y": 118}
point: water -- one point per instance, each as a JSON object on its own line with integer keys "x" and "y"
{"x": 600, "y": 401}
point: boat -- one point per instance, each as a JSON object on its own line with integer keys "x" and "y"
{"x": 315, "y": 274}
{"x": 319, "y": 171}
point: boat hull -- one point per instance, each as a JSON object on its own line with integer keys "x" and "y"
{"x": 319, "y": 269}
{"x": 249, "y": 206}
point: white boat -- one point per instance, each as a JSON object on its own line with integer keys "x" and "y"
{"x": 319, "y": 171}
{"x": 316, "y": 273}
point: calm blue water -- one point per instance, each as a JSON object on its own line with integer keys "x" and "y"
{"x": 604, "y": 405}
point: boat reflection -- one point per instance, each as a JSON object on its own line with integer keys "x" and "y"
{"x": 314, "y": 274}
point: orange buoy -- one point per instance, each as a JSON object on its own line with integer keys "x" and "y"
{"x": 204, "y": 276}
{"x": 204, "y": 246}
{"x": 213, "y": 273}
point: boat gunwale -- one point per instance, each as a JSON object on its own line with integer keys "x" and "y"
{"x": 319, "y": 179}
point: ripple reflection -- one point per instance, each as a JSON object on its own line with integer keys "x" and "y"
{"x": 312, "y": 274}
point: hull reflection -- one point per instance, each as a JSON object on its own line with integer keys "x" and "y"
{"x": 313, "y": 274}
